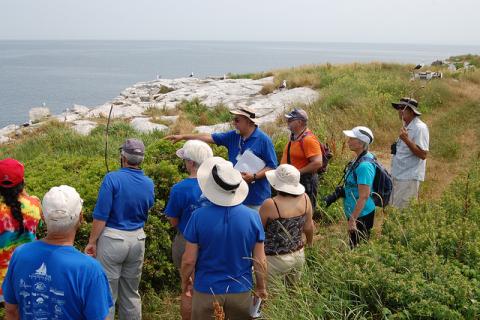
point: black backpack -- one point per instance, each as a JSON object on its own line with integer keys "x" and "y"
{"x": 382, "y": 183}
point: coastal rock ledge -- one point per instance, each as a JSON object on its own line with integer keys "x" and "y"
{"x": 136, "y": 102}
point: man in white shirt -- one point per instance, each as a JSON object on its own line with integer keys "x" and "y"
{"x": 409, "y": 153}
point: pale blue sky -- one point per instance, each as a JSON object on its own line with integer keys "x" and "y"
{"x": 394, "y": 21}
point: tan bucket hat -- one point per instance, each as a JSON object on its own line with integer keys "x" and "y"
{"x": 286, "y": 178}
{"x": 246, "y": 112}
{"x": 221, "y": 183}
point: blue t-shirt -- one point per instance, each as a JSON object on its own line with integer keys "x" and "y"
{"x": 226, "y": 237}
{"x": 365, "y": 173}
{"x": 56, "y": 282}
{"x": 124, "y": 199}
{"x": 261, "y": 145}
{"x": 183, "y": 200}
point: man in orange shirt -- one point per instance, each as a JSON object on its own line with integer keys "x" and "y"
{"x": 303, "y": 151}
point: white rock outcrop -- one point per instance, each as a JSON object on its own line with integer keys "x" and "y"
{"x": 232, "y": 93}
{"x": 165, "y": 94}
{"x": 146, "y": 126}
{"x": 221, "y": 127}
{"x": 84, "y": 127}
{"x": 38, "y": 114}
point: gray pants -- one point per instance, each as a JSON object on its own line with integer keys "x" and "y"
{"x": 121, "y": 255}
{"x": 178, "y": 249}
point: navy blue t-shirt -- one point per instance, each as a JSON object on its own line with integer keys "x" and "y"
{"x": 183, "y": 200}
{"x": 226, "y": 237}
{"x": 56, "y": 282}
{"x": 124, "y": 199}
{"x": 261, "y": 145}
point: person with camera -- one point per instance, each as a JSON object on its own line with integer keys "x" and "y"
{"x": 409, "y": 153}
{"x": 356, "y": 190}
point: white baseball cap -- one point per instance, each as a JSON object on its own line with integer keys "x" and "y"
{"x": 195, "y": 150}
{"x": 361, "y": 133}
{"x": 61, "y": 205}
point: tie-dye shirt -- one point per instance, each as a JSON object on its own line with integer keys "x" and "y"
{"x": 10, "y": 238}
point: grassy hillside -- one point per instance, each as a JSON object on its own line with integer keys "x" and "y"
{"x": 423, "y": 263}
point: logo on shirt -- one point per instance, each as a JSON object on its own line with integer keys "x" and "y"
{"x": 42, "y": 271}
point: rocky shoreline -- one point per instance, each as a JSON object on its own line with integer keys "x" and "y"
{"x": 165, "y": 94}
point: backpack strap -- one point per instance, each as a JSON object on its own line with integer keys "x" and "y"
{"x": 360, "y": 160}
{"x": 303, "y": 135}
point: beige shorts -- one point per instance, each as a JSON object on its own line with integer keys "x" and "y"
{"x": 403, "y": 192}
{"x": 288, "y": 266}
{"x": 236, "y": 306}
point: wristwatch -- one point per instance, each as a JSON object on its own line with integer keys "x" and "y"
{"x": 254, "y": 177}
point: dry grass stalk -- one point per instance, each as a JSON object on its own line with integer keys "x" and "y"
{"x": 218, "y": 312}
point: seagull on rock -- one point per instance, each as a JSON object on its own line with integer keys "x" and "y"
{"x": 283, "y": 85}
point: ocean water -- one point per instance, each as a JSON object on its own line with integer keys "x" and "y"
{"x": 63, "y": 73}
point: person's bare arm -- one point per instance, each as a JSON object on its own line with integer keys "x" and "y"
{"x": 248, "y": 177}
{"x": 363, "y": 195}
{"x": 265, "y": 210}
{"x": 205, "y": 137}
{"x": 314, "y": 163}
{"x": 173, "y": 221}
{"x": 189, "y": 259}
{"x": 11, "y": 312}
{"x": 309, "y": 228}
{"x": 260, "y": 268}
{"x": 97, "y": 228}
{"x": 416, "y": 150}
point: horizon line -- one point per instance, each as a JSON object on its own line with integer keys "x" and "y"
{"x": 252, "y": 41}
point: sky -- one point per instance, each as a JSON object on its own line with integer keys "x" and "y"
{"x": 366, "y": 21}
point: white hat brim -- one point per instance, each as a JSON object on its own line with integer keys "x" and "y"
{"x": 282, "y": 186}
{"x": 349, "y": 133}
{"x": 213, "y": 192}
{"x": 180, "y": 153}
{"x": 241, "y": 113}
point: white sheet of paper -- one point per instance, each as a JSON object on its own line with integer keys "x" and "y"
{"x": 249, "y": 162}
{"x": 255, "y": 307}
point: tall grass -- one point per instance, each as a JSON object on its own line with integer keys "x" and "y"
{"x": 425, "y": 262}
{"x": 423, "y": 266}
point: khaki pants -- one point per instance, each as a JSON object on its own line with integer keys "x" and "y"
{"x": 121, "y": 255}
{"x": 288, "y": 267}
{"x": 235, "y": 305}
{"x": 403, "y": 192}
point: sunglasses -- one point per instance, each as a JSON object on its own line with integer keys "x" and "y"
{"x": 236, "y": 119}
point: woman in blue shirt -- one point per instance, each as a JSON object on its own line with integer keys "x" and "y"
{"x": 358, "y": 203}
